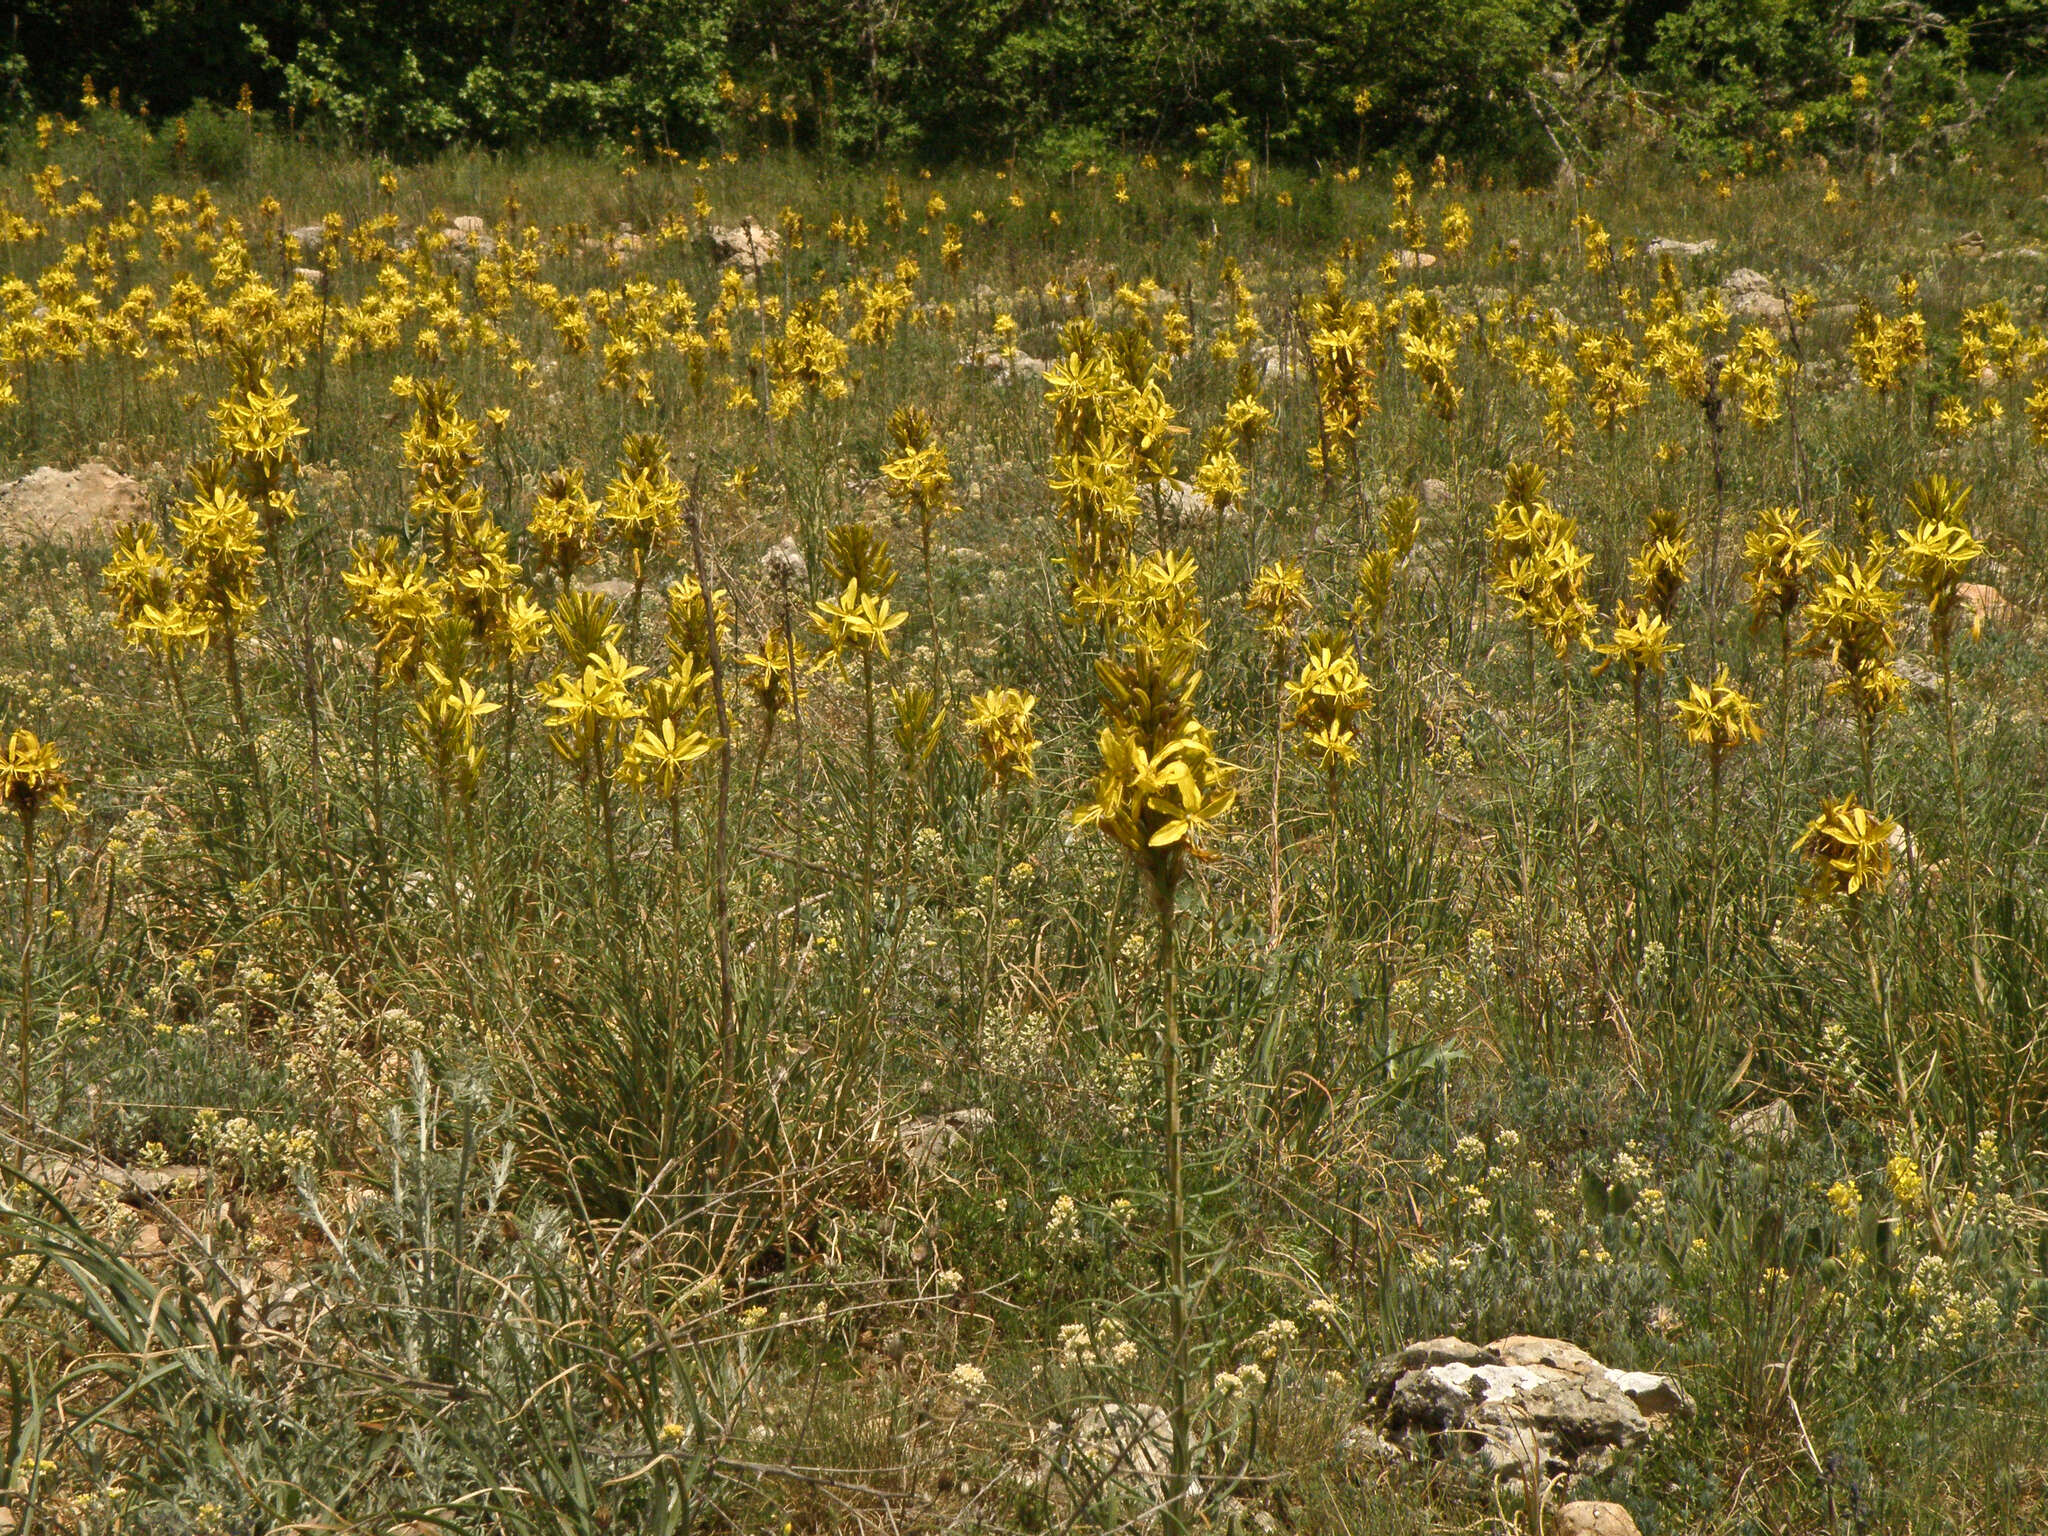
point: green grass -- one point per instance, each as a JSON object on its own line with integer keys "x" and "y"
{"x": 541, "y": 1261}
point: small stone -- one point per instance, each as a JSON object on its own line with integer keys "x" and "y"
{"x": 1924, "y": 681}
{"x": 1415, "y": 260}
{"x": 1768, "y": 1127}
{"x": 1362, "y": 1446}
{"x": 617, "y": 588}
{"x": 1435, "y": 493}
{"x": 1660, "y": 246}
{"x": 1986, "y": 604}
{"x": 926, "y": 1139}
{"x": 68, "y": 505}
{"x": 1750, "y": 295}
{"x": 1122, "y": 1442}
{"x": 1592, "y": 1517}
{"x": 745, "y": 246}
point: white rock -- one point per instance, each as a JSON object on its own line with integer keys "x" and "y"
{"x": 67, "y": 505}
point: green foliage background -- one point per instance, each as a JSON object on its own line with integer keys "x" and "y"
{"x": 939, "y": 79}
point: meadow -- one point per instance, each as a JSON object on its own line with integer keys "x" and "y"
{"x": 692, "y": 881}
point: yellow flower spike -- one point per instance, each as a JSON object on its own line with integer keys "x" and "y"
{"x": 857, "y": 621}
{"x": 1326, "y": 699}
{"x": 1851, "y": 621}
{"x": 32, "y": 778}
{"x": 1660, "y": 568}
{"x": 1276, "y": 597}
{"x": 1782, "y": 552}
{"x": 1718, "y": 716}
{"x": 1641, "y": 644}
{"x": 658, "y": 758}
{"x": 1850, "y": 849}
{"x": 1000, "y": 721}
{"x": 1939, "y": 550}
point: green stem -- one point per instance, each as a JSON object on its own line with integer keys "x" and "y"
{"x": 28, "y": 930}
{"x": 1176, "y": 1519}
{"x": 1955, "y": 771}
{"x": 995, "y": 889}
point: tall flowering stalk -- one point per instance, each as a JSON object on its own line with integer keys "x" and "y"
{"x": 32, "y": 781}
{"x": 917, "y": 479}
{"x": 1275, "y": 599}
{"x": 1848, "y": 848}
{"x": 1782, "y": 554}
{"x": 594, "y": 714}
{"x": 1327, "y": 701}
{"x": 857, "y": 622}
{"x": 1852, "y": 620}
{"x": 1934, "y": 556}
{"x": 1161, "y": 791}
{"x": 1000, "y": 723}
{"x": 1716, "y": 717}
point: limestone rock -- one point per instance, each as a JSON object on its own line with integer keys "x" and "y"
{"x": 926, "y": 1139}
{"x": 1005, "y": 368}
{"x": 1361, "y": 1447}
{"x": 618, "y": 588}
{"x": 1130, "y": 1443}
{"x": 1661, "y": 246}
{"x": 1986, "y": 604}
{"x": 1435, "y": 493}
{"x": 1522, "y": 1401}
{"x": 1275, "y": 364}
{"x": 1592, "y": 1517}
{"x": 745, "y": 246}
{"x": 1750, "y": 295}
{"x": 1414, "y": 260}
{"x": 1770, "y": 1126}
{"x": 68, "y": 505}
{"x": 78, "y": 1178}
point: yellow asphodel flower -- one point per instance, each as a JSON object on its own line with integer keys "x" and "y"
{"x": 1936, "y": 553}
{"x": 857, "y": 621}
{"x": 657, "y": 759}
{"x": 1850, "y": 849}
{"x": 1276, "y": 597}
{"x": 1327, "y": 698}
{"x": 32, "y": 778}
{"x": 1782, "y": 552}
{"x": 1641, "y": 645}
{"x": 1001, "y": 722}
{"x": 1718, "y": 716}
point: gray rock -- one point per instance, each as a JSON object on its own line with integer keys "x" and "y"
{"x": 1128, "y": 1443}
{"x": 68, "y": 505}
{"x": 1006, "y": 369}
{"x": 1517, "y": 1403}
{"x": 745, "y": 246}
{"x": 1592, "y": 1517}
{"x": 926, "y": 1139}
{"x": 1660, "y": 246}
{"x": 1773, "y": 1124}
{"x": 1923, "y": 680}
{"x": 1435, "y": 493}
{"x": 1750, "y": 295}
{"x": 1361, "y": 1446}
{"x": 1274, "y": 364}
